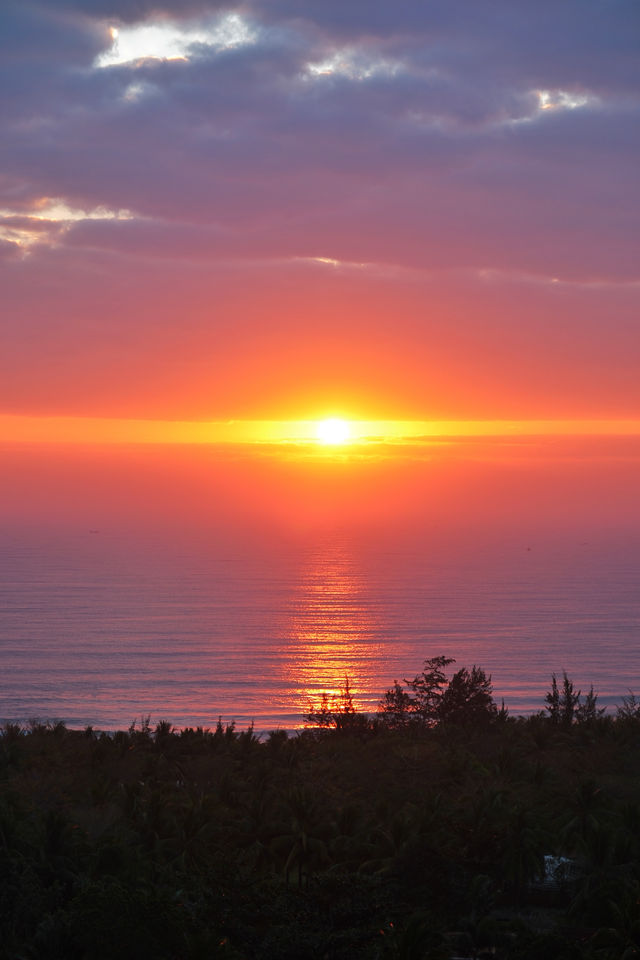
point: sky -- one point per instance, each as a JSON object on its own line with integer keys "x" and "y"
{"x": 291, "y": 209}
{"x": 223, "y": 224}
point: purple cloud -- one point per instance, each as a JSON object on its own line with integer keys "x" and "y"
{"x": 435, "y": 141}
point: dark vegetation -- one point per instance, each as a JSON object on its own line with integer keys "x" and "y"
{"x": 421, "y": 832}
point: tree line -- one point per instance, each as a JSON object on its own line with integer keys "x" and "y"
{"x": 439, "y": 827}
{"x": 465, "y": 698}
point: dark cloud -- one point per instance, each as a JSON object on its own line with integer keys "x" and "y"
{"x": 8, "y": 250}
{"x": 33, "y": 35}
{"x": 422, "y": 148}
{"x": 133, "y": 11}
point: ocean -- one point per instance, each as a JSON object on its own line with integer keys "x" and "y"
{"x": 105, "y": 627}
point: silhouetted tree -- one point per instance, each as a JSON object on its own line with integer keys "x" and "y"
{"x": 589, "y": 711}
{"x": 428, "y": 688}
{"x": 630, "y": 709}
{"x": 562, "y": 704}
{"x": 397, "y": 708}
{"x": 468, "y": 698}
{"x": 552, "y": 699}
{"x": 338, "y": 712}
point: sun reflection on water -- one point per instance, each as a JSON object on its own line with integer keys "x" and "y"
{"x": 333, "y": 631}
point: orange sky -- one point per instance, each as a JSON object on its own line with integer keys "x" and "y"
{"x": 310, "y": 213}
{"x": 477, "y": 488}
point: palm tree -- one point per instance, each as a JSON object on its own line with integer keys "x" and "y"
{"x": 523, "y": 851}
{"x": 301, "y": 843}
{"x": 583, "y": 806}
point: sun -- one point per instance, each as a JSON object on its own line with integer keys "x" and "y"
{"x": 333, "y": 431}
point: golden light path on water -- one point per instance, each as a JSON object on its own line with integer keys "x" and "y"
{"x": 333, "y": 633}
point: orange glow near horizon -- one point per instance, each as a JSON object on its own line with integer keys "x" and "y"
{"x": 323, "y": 432}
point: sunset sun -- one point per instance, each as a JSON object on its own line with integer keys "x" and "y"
{"x": 333, "y": 431}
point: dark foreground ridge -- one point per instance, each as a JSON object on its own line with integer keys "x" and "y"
{"x": 409, "y": 836}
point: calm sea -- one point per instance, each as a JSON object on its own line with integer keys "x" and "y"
{"x": 102, "y": 629}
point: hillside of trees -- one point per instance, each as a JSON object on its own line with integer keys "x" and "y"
{"x": 440, "y": 827}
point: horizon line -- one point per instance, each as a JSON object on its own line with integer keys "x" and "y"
{"x": 18, "y": 428}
